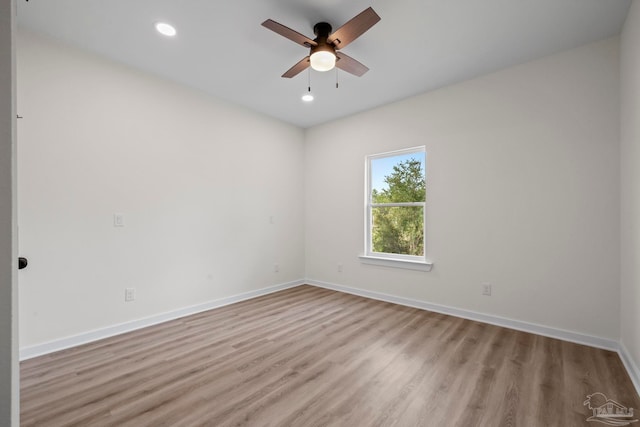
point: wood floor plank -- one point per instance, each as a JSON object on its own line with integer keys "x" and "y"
{"x": 308, "y": 356}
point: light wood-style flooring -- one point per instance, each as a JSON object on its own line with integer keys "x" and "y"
{"x": 314, "y": 357}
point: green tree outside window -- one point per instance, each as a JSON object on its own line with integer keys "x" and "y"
{"x": 397, "y": 211}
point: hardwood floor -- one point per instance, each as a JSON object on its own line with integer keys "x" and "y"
{"x": 314, "y": 357}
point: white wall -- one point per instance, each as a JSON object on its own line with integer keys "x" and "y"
{"x": 196, "y": 179}
{"x": 9, "y": 374}
{"x": 523, "y": 192}
{"x": 630, "y": 181}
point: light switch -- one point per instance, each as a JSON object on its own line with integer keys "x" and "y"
{"x": 118, "y": 220}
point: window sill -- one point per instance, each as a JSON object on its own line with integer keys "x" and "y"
{"x": 396, "y": 263}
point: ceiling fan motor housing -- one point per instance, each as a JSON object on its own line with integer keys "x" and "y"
{"x": 322, "y": 30}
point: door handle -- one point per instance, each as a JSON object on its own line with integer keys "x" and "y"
{"x": 22, "y": 263}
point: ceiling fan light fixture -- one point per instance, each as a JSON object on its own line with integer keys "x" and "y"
{"x": 166, "y": 29}
{"x": 323, "y": 60}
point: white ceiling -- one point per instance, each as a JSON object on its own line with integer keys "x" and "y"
{"x": 419, "y": 45}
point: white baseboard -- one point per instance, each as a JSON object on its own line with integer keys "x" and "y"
{"x": 630, "y": 365}
{"x": 519, "y": 325}
{"x": 98, "y": 334}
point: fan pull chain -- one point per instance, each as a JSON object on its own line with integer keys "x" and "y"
{"x": 309, "y": 81}
{"x": 308, "y": 96}
{"x": 336, "y": 77}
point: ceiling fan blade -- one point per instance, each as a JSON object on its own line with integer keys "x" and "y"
{"x": 354, "y": 28}
{"x": 289, "y": 33}
{"x": 296, "y": 69}
{"x": 350, "y": 65}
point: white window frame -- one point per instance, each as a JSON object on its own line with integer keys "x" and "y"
{"x": 412, "y": 262}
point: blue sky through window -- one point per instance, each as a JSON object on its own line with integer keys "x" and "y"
{"x": 382, "y": 167}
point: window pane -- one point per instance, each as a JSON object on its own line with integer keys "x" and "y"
{"x": 398, "y": 179}
{"x": 398, "y": 230}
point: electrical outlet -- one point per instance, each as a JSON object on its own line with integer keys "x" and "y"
{"x": 129, "y": 294}
{"x": 486, "y": 289}
{"x": 276, "y": 268}
{"x": 339, "y": 268}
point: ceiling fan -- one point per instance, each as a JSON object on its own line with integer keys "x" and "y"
{"x": 324, "y": 55}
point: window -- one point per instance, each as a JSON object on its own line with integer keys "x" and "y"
{"x": 395, "y": 209}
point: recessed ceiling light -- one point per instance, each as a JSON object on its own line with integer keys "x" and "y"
{"x": 307, "y": 97}
{"x": 165, "y": 29}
